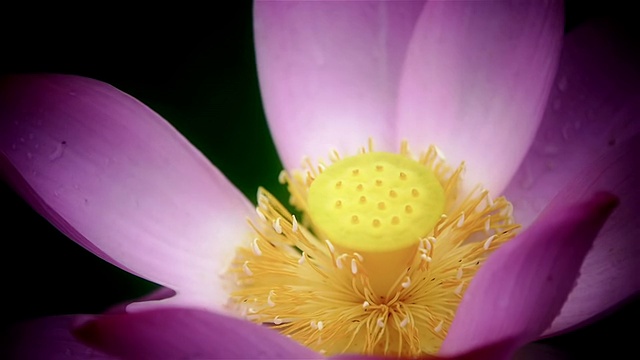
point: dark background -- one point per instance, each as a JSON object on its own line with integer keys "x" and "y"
{"x": 196, "y": 67}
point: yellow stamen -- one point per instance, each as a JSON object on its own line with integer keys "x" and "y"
{"x": 384, "y": 250}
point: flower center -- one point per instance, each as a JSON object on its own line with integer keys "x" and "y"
{"x": 385, "y": 248}
{"x": 376, "y": 202}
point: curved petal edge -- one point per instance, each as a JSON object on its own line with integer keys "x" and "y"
{"x": 118, "y": 179}
{"x": 522, "y": 286}
{"x": 174, "y": 333}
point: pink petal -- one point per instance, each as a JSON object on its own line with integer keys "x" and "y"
{"x": 593, "y": 111}
{"x": 47, "y": 338}
{"x": 594, "y": 106}
{"x": 118, "y": 179}
{"x": 329, "y": 73}
{"x": 488, "y": 351}
{"x": 187, "y": 334}
{"x": 476, "y": 80}
{"x": 521, "y": 288}
{"x": 609, "y": 275}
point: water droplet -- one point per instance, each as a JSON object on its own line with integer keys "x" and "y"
{"x": 31, "y": 136}
{"x": 527, "y": 178}
{"x": 57, "y": 152}
{"x": 29, "y": 155}
{"x": 556, "y": 104}
{"x": 565, "y": 131}
{"x": 13, "y": 146}
{"x": 550, "y": 165}
{"x": 550, "y": 149}
{"x": 563, "y": 83}
{"x": 577, "y": 124}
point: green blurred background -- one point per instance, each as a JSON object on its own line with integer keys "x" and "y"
{"x": 196, "y": 67}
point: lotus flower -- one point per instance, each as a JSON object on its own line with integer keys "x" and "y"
{"x": 472, "y": 79}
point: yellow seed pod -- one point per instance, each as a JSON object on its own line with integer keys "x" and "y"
{"x": 376, "y": 202}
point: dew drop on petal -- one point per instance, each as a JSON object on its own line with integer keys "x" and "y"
{"x": 57, "y": 152}
{"x": 563, "y": 84}
{"x": 527, "y": 177}
{"x": 550, "y": 149}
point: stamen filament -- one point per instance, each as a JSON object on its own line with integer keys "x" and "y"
{"x": 302, "y": 280}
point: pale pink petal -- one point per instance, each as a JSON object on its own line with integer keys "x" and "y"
{"x": 47, "y": 338}
{"x": 187, "y": 334}
{"x": 476, "y": 81}
{"x": 594, "y": 110}
{"x": 158, "y": 294}
{"x": 522, "y": 286}
{"x": 329, "y": 73}
{"x": 118, "y": 179}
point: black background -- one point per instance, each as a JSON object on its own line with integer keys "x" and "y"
{"x": 196, "y": 67}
